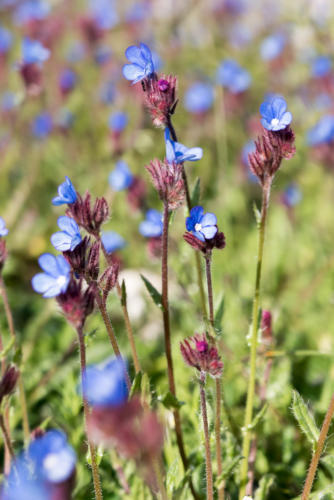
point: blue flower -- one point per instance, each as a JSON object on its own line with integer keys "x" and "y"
{"x": 141, "y": 63}
{"x": 178, "y": 153}
{"x": 232, "y": 76}
{"x": 138, "y": 12}
{"x": 274, "y": 114}
{"x": 54, "y": 459}
{"x": 199, "y": 97}
{"x": 69, "y": 236}
{"x": 152, "y": 226}
{"x": 64, "y": 118}
{"x": 112, "y": 241}
{"x": 33, "y": 52}
{"x": 106, "y": 386}
{"x": 272, "y": 46}
{"x": 102, "y": 55}
{"x": 32, "y": 10}
{"x": 321, "y": 66}
{"x": 107, "y": 92}
{"x": 67, "y": 80}
{"x": 118, "y": 121}
{"x": 203, "y": 226}
{"x": 104, "y": 13}
{"x": 42, "y": 125}
{"x": 6, "y": 40}
{"x": 292, "y": 195}
{"x": 8, "y": 101}
{"x": 66, "y": 193}
{"x": 121, "y": 177}
{"x": 322, "y": 132}
{"x": 249, "y": 148}
{"x": 3, "y": 230}
{"x": 55, "y": 278}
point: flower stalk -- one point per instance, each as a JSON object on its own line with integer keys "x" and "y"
{"x": 208, "y": 463}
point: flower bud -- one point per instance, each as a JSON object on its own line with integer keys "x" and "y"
{"x": 77, "y": 304}
{"x": 197, "y": 352}
{"x": 8, "y": 381}
{"x": 168, "y": 181}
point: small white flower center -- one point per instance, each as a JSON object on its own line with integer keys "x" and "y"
{"x": 51, "y": 461}
{"x": 198, "y": 226}
{"x": 274, "y": 122}
{"x": 61, "y": 280}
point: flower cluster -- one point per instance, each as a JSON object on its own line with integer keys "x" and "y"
{"x": 198, "y": 353}
{"x": 168, "y": 181}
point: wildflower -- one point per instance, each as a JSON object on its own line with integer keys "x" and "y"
{"x": 152, "y": 226}
{"x": 233, "y": 77}
{"x": 272, "y": 46}
{"x": 274, "y": 114}
{"x": 197, "y": 352}
{"x": 55, "y": 278}
{"x": 77, "y": 304}
{"x": 42, "y": 125}
{"x": 322, "y": 132}
{"x": 33, "y": 52}
{"x": 248, "y": 148}
{"x": 67, "y": 80}
{"x": 104, "y": 13}
{"x": 90, "y": 218}
{"x": 160, "y": 98}
{"x": 6, "y": 40}
{"x": 112, "y": 241}
{"x": 206, "y": 247}
{"x": 77, "y": 257}
{"x": 291, "y": 195}
{"x": 321, "y": 66}
{"x": 3, "y": 230}
{"x": 203, "y": 226}
{"x": 168, "y": 181}
{"x": 141, "y": 63}
{"x": 118, "y": 121}
{"x": 178, "y": 153}
{"x": 106, "y": 385}
{"x": 266, "y": 326}
{"x": 66, "y": 193}
{"x": 109, "y": 278}
{"x": 8, "y": 381}
{"x": 31, "y": 10}
{"x": 69, "y": 236}
{"x": 199, "y": 97}
{"x": 121, "y": 177}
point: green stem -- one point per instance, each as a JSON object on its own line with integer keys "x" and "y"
{"x": 95, "y": 468}
{"x": 254, "y": 342}
{"x": 318, "y": 451}
{"x": 208, "y": 463}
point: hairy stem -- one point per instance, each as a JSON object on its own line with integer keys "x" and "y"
{"x": 253, "y": 343}
{"x": 318, "y": 451}
{"x": 6, "y": 437}
{"x": 208, "y": 463}
{"x": 95, "y": 468}
{"x": 22, "y": 396}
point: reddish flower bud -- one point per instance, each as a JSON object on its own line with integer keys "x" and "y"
{"x": 136, "y": 193}
{"x": 197, "y": 353}
{"x": 32, "y": 78}
{"x": 109, "y": 278}
{"x": 90, "y": 219}
{"x": 266, "y": 327}
{"x": 76, "y": 303}
{"x": 93, "y": 260}
{"x": 168, "y": 181}
{"x": 90, "y": 30}
{"x": 8, "y": 381}
{"x": 218, "y": 242}
{"x": 160, "y": 99}
{"x": 77, "y": 257}
{"x": 163, "y": 85}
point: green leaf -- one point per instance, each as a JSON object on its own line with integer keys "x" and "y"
{"x": 257, "y": 214}
{"x": 229, "y": 467}
{"x": 123, "y": 296}
{"x": 265, "y": 484}
{"x": 17, "y": 358}
{"x": 328, "y": 461}
{"x": 258, "y": 417}
{"x": 196, "y": 194}
{"x": 6, "y": 350}
{"x": 145, "y": 389}
{"x": 170, "y": 401}
{"x": 305, "y": 418}
{"x": 156, "y": 296}
{"x": 136, "y": 384}
{"x": 219, "y": 316}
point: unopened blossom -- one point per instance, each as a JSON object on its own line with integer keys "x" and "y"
{"x": 198, "y": 353}
{"x": 160, "y": 99}
{"x": 89, "y": 216}
{"x": 76, "y": 302}
{"x": 69, "y": 236}
{"x": 66, "y": 193}
{"x": 168, "y": 181}
{"x": 55, "y": 278}
{"x": 8, "y": 381}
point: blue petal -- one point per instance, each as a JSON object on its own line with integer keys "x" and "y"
{"x": 134, "y": 55}
{"x": 154, "y": 216}
{"x": 266, "y": 124}
{"x": 279, "y": 106}
{"x": 209, "y": 231}
{"x": 48, "y": 263}
{"x": 146, "y": 52}
{"x": 286, "y": 118}
{"x": 193, "y": 154}
{"x": 41, "y": 282}
{"x": 63, "y": 266}
{"x": 198, "y": 235}
{"x": 150, "y": 229}
{"x": 61, "y": 241}
{"x": 190, "y": 223}
{"x": 196, "y": 213}
{"x": 112, "y": 241}
{"x": 266, "y": 111}
{"x": 133, "y": 72}
{"x": 208, "y": 219}
{"x": 68, "y": 225}
{"x": 170, "y": 152}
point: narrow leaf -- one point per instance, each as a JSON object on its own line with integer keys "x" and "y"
{"x": 145, "y": 389}
{"x": 170, "y": 401}
{"x": 304, "y": 418}
{"x": 6, "y": 350}
{"x": 156, "y": 296}
{"x": 123, "y": 296}
{"x": 265, "y": 484}
{"x": 229, "y": 468}
{"x": 258, "y": 417}
{"x": 257, "y": 214}
{"x": 136, "y": 384}
{"x": 195, "y": 195}
{"x": 219, "y": 316}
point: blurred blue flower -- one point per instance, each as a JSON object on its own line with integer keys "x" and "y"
{"x": 199, "y": 97}
{"x": 157, "y": 61}
{"x": 22, "y": 485}
{"x": 53, "y": 458}
{"x": 138, "y": 12}
{"x": 152, "y": 226}
{"x": 321, "y": 66}
{"x": 240, "y": 34}
{"x": 31, "y": 10}
{"x": 274, "y": 114}
{"x": 55, "y": 278}
{"x": 42, "y": 125}
{"x": 292, "y": 195}
{"x": 76, "y": 52}
{"x": 249, "y": 148}
{"x": 121, "y": 177}
{"x": 112, "y": 241}
{"x": 118, "y": 120}
{"x": 141, "y": 63}
{"x": 272, "y": 46}
{"x": 69, "y": 236}
{"x": 8, "y": 101}
{"x": 102, "y": 55}
{"x": 33, "y": 52}
{"x": 6, "y": 40}
{"x": 322, "y": 132}
{"x": 107, "y": 92}
{"x": 203, "y": 226}
{"x": 178, "y": 153}
{"x": 67, "y": 80}
{"x": 66, "y": 193}
{"x": 106, "y": 386}
{"x": 64, "y": 118}
{"x": 232, "y": 76}
{"x": 3, "y": 230}
{"x": 104, "y": 13}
